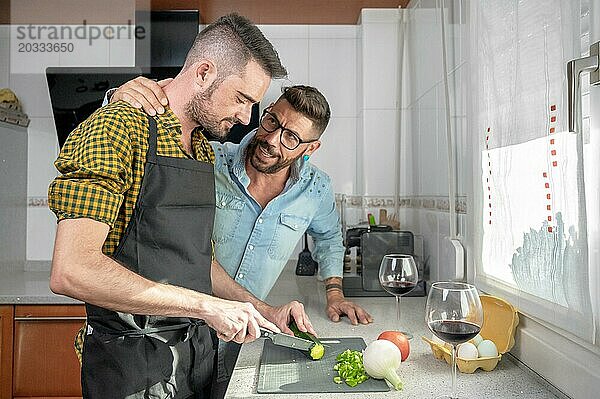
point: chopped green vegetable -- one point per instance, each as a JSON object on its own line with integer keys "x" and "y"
{"x": 317, "y": 350}
{"x": 350, "y": 368}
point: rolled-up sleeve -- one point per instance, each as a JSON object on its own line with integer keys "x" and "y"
{"x": 95, "y": 170}
{"x": 326, "y": 231}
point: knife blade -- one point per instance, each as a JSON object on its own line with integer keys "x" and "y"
{"x": 289, "y": 341}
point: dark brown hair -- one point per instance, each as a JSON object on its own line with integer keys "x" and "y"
{"x": 309, "y": 102}
{"x": 231, "y": 42}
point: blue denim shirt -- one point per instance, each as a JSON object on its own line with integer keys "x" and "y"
{"x": 254, "y": 244}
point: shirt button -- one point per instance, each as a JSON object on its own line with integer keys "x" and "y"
{"x": 241, "y": 275}
{"x": 250, "y": 247}
{"x": 295, "y": 226}
{"x": 223, "y": 203}
{"x": 260, "y": 221}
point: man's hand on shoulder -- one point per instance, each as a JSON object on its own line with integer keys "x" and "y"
{"x": 143, "y": 93}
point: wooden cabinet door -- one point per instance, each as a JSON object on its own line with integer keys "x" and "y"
{"x": 6, "y": 351}
{"x": 45, "y": 364}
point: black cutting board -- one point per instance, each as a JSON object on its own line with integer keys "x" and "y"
{"x": 284, "y": 370}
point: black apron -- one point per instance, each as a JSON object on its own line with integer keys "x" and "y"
{"x": 167, "y": 240}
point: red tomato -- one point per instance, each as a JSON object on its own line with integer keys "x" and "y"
{"x": 398, "y": 339}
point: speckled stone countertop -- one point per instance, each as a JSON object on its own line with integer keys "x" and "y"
{"x": 422, "y": 374}
{"x": 30, "y": 287}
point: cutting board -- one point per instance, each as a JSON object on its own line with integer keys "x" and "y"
{"x": 284, "y": 370}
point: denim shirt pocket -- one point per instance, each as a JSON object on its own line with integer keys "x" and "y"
{"x": 288, "y": 231}
{"x": 227, "y": 217}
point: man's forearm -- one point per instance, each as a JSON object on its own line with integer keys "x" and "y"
{"x": 83, "y": 272}
{"x": 227, "y": 288}
{"x": 115, "y": 287}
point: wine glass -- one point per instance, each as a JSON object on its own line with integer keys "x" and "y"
{"x": 398, "y": 275}
{"x": 453, "y": 314}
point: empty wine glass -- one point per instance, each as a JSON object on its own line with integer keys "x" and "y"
{"x": 453, "y": 314}
{"x": 398, "y": 275}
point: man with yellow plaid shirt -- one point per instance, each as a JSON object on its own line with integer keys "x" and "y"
{"x": 135, "y": 207}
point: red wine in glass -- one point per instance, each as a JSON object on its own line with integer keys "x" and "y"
{"x": 398, "y": 287}
{"x": 454, "y": 331}
{"x": 454, "y": 314}
{"x": 398, "y": 275}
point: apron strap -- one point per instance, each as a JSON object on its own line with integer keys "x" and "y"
{"x": 152, "y": 139}
{"x": 188, "y": 329}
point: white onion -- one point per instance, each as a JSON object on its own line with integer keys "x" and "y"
{"x": 381, "y": 358}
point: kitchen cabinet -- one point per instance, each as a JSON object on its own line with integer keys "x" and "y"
{"x": 6, "y": 353}
{"x": 38, "y": 359}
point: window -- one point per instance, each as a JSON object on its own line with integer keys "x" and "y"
{"x": 533, "y": 222}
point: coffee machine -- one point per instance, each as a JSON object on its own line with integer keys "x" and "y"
{"x": 371, "y": 243}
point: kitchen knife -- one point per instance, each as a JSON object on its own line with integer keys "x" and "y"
{"x": 289, "y": 341}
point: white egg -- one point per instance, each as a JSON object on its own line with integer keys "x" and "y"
{"x": 487, "y": 348}
{"x": 477, "y": 340}
{"x": 467, "y": 351}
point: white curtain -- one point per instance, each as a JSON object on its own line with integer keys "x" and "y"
{"x": 532, "y": 226}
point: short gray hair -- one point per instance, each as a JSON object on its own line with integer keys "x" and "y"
{"x": 231, "y": 42}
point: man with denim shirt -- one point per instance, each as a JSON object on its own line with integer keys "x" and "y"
{"x": 268, "y": 194}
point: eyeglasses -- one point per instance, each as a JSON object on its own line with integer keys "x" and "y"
{"x": 287, "y": 138}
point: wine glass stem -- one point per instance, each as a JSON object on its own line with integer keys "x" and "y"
{"x": 453, "y": 394}
{"x": 398, "y": 309}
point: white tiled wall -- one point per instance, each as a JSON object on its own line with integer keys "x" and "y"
{"x": 41, "y": 228}
{"x": 32, "y": 90}
{"x": 380, "y": 63}
{"x": 335, "y": 57}
{"x": 378, "y": 120}
{"x": 379, "y": 151}
{"x": 42, "y": 151}
{"x": 291, "y": 42}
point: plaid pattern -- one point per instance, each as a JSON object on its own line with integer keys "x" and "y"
{"x": 102, "y": 166}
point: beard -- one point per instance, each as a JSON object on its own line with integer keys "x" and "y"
{"x": 257, "y": 163}
{"x": 200, "y": 110}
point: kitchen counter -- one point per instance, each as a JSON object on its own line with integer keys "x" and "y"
{"x": 31, "y": 288}
{"x": 422, "y": 374}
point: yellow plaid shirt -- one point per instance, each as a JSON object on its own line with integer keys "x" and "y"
{"x": 102, "y": 166}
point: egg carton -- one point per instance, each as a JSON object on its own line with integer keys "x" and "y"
{"x": 500, "y": 320}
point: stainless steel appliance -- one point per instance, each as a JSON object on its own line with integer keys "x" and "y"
{"x": 373, "y": 245}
